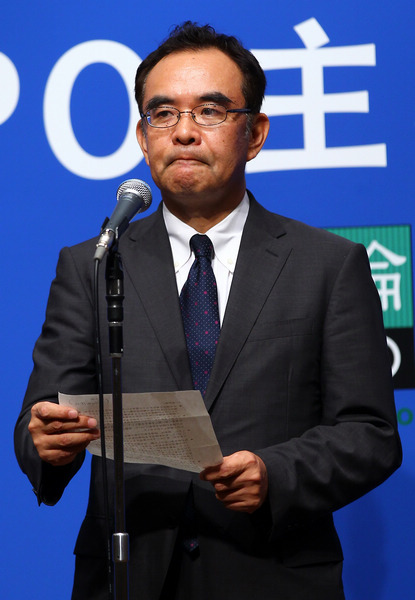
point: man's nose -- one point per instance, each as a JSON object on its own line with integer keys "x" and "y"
{"x": 186, "y": 130}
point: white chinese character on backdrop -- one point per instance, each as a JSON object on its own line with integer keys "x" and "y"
{"x": 314, "y": 104}
{"x": 388, "y": 284}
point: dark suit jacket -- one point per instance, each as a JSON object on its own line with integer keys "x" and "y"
{"x": 301, "y": 377}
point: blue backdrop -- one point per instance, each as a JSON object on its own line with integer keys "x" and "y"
{"x": 340, "y": 153}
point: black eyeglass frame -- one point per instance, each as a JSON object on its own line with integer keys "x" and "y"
{"x": 146, "y": 115}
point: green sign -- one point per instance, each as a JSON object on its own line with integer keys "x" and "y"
{"x": 389, "y": 251}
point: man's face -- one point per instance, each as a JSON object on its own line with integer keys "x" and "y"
{"x": 191, "y": 164}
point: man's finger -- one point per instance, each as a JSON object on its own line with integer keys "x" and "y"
{"x": 51, "y": 410}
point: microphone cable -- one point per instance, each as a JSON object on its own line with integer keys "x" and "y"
{"x": 98, "y": 362}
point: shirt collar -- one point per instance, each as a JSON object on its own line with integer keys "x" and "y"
{"x": 225, "y": 236}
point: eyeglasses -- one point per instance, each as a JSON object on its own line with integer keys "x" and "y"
{"x": 206, "y": 115}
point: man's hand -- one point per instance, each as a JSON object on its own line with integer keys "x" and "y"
{"x": 59, "y": 433}
{"x": 241, "y": 481}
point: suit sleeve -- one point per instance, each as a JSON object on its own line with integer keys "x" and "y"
{"x": 64, "y": 361}
{"x": 356, "y": 445}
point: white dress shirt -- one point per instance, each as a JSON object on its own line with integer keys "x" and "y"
{"x": 225, "y": 237}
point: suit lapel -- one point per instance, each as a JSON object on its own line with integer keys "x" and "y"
{"x": 148, "y": 262}
{"x": 261, "y": 258}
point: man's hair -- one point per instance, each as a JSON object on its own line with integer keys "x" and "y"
{"x": 191, "y": 36}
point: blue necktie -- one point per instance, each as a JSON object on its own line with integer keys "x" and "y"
{"x": 200, "y": 313}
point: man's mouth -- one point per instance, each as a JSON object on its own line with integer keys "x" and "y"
{"x": 186, "y": 158}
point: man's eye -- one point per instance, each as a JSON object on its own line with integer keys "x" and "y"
{"x": 210, "y": 111}
{"x": 162, "y": 114}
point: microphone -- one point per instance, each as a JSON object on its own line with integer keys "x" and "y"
{"x": 133, "y": 196}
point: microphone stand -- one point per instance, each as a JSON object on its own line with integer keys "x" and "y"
{"x": 120, "y": 540}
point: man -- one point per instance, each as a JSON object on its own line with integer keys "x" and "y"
{"x": 300, "y": 390}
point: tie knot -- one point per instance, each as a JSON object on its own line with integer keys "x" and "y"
{"x": 201, "y": 246}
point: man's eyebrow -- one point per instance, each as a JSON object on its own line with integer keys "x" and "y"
{"x": 158, "y": 101}
{"x": 215, "y": 97}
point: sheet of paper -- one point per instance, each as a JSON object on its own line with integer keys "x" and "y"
{"x": 166, "y": 428}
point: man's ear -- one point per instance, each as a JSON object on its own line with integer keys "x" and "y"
{"x": 142, "y": 138}
{"x": 257, "y": 135}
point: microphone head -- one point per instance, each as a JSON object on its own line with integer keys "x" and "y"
{"x": 136, "y": 187}
{"x": 133, "y": 196}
